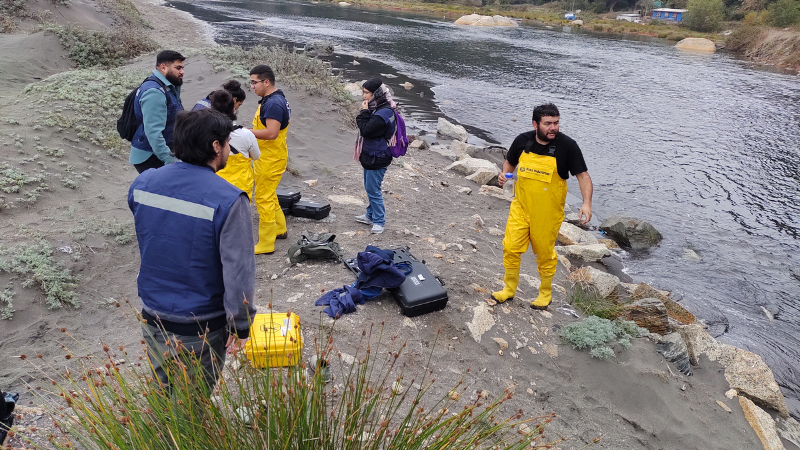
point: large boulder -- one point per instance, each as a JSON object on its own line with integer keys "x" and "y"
{"x": 486, "y": 21}
{"x": 355, "y": 89}
{"x": 450, "y": 130}
{"x": 586, "y": 252}
{"x": 650, "y": 313}
{"x": 602, "y": 283}
{"x": 484, "y": 176}
{"x": 674, "y": 309}
{"x": 319, "y": 48}
{"x": 419, "y": 144}
{"x": 631, "y": 232}
{"x": 763, "y": 424}
{"x": 569, "y": 234}
{"x": 673, "y": 349}
{"x": 468, "y": 166}
{"x": 462, "y": 148}
{"x": 749, "y": 375}
{"x": 698, "y": 45}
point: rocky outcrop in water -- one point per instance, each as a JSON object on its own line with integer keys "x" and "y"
{"x": 486, "y": 21}
{"x": 631, "y": 232}
{"x": 319, "y": 48}
{"x": 698, "y": 45}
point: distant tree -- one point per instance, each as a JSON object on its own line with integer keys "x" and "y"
{"x": 704, "y": 15}
{"x": 784, "y": 13}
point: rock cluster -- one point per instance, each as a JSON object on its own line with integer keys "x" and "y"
{"x": 486, "y": 21}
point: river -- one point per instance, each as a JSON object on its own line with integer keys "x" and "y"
{"x": 705, "y": 147}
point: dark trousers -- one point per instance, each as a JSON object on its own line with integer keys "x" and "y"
{"x": 209, "y": 349}
{"x": 150, "y": 163}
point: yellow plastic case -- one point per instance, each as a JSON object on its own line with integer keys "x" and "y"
{"x": 275, "y": 340}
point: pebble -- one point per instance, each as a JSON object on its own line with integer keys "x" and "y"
{"x": 478, "y": 220}
{"x": 533, "y": 350}
{"x": 465, "y": 190}
{"x": 530, "y": 391}
{"x": 294, "y": 298}
{"x": 437, "y": 255}
{"x": 546, "y": 314}
{"x": 274, "y": 276}
{"x": 731, "y": 393}
{"x": 407, "y": 322}
{"x": 491, "y": 301}
{"x": 494, "y": 231}
{"x": 501, "y": 342}
{"x": 474, "y": 244}
{"x": 311, "y": 183}
{"x": 724, "y": 406}
{"x": 453, "y": 395}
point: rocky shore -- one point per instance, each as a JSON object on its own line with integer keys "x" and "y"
{"x": 676, "y": 388}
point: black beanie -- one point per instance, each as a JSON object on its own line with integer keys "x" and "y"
{"x": 373, "y": 84}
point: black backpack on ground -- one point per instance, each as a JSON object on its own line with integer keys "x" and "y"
{"x": 127, "y": 124}
{"x": 315, "y": 246}
{"x": 7, "y": 403}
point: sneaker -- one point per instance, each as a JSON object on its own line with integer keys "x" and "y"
{"x": 363, "y": 219}
{"x": 377, "y": 229}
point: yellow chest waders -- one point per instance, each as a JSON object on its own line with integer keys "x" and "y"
{"x": 268, "y": 170}
{"x": 239, "y": 172}
{"x": 534, "y": 218}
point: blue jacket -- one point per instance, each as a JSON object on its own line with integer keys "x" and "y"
{"x": 179, "y": 211}
{"x": 154, "y": 135}
{"x": 376, "y": 128}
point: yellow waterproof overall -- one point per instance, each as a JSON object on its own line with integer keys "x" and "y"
{"x": 239, "y": 172}
{"x": 535, "y": 217}
{"x": 268, "y": 170}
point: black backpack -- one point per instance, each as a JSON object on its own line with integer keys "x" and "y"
{"x": 7, "y": 403}
{"x": 315, "y": 246}
{"x": 127, "y": 124}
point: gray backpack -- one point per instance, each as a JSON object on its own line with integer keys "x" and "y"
{"x": 315, "y": 246}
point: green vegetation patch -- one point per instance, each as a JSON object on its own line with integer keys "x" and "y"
{"x": 94, "y": 100}
{"x": 593, "y": 304}
{"x": 784, "y": 13}
{"x": 35, "y": 262}
{"x": 6, "y": 303}
{"x": 27, "y": 186}
{"x": 108, "y": 228}
{"x": 598, "y": 334}
{"x": 89, "y": 48}
{"x": 704, "y": 15}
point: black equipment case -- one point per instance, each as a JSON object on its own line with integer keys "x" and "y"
{"x": 311, "y": 210}
{"x": 422, "y": 292}
{"x": 288, "y": 197}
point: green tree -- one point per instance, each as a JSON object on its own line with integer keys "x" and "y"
{"x": 784, "y": 13}
{"x": 704, "y": 15}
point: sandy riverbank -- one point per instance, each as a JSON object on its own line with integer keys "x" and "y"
{"x": 635, "y": 401}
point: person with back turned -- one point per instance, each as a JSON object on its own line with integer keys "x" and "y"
{"x": 543, "y": 158}
{"x": 270, "y": 125}
{"x": 197, "y": 274}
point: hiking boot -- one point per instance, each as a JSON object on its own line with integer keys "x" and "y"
{"x": 363, "y": 219}
{"x": 377, "y": 229}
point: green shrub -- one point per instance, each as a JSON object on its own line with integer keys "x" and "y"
{"x": 373, "y": 403}
{"x": 592, "y": 304}
{"x": 784, "y": 13}
{"x": 597, "y": 335}
{"x": 6, "y": 303}
{"x": 36, "y": 263}
{"x": 89, "y": 48}
{"x": 743, "y": 38}
{"x": 704, "y": 15}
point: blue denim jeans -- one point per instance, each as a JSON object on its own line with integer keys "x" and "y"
{"x": 372, "y": 183}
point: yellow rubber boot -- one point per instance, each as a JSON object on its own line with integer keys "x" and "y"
{"x": 267, "y": 231}
{"x": 280, "y": 224}
{"x": 545, "y": 294}
{"x": 511, "y": 281}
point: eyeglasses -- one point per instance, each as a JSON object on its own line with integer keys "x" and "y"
{"x": 255, "y": 82}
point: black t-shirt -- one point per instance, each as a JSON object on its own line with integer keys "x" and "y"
{"x": 569, "y": 159}
{"x": 274, "y": 106}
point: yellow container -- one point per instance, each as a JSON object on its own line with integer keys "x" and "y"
{"x": 275, "y": 340}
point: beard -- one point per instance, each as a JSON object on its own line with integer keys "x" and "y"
{"x": 221, "y": 165}
{"x": 173, "y": 79}
{"x": 542, "y": 136}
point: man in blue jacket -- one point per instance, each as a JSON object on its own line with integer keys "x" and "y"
{"x": 156, "y": 105}
{"x": 197, "y": 274}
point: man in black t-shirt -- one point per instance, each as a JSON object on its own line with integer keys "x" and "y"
{"x": 543, "y": 158}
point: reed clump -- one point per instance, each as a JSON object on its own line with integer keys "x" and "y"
{"x": 375, "y": 401}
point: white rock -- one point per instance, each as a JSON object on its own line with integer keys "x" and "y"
{"x": 493, "y": 191}
{"x": 311, "y": 183}
{"x": 354, "y": 89}
{"x": 601, "y": 282}
{"x": 697, "y": 45}
{"x": 485, "y": 21}
{"x": 464, "y": 190}
{"x": 294, "y": 298}
{"x": 494, "y": 231}
{"x": 407, "y": 85}
{"x": 593, "y": 252}
{"x": 469, "y": 165}
{"x": 407, "y": 322}
{"x": 569, "y": 234}
{"x": 482, "y": 321}
{"x": 447, "y": 129}
{"x": 346, "y": 200}
{"x": 762, "y": 424}
{"x": 484, "y": 176}
{"x": 501, "y": 342}
{"x": 690, "y": 255}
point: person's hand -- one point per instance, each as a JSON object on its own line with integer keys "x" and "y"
{"x": 234, "y": 344}
{"x": 365, "y": 105}
{"x": 586, "y": 210}
{"x": 501, "y": 179}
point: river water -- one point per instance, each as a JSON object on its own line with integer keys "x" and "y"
{"x": 705, "y": 147}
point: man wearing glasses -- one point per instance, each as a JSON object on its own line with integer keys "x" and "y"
{"x": 269, "y": 127}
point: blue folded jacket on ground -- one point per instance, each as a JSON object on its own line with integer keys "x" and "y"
{"x": 376, "y": 272}
{"x": 340, "y": 301}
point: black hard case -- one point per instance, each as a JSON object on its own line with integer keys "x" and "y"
{"x": 288, "y": 197}
{"x": 421, "y": 293}
{"x": 311, "y": 210}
